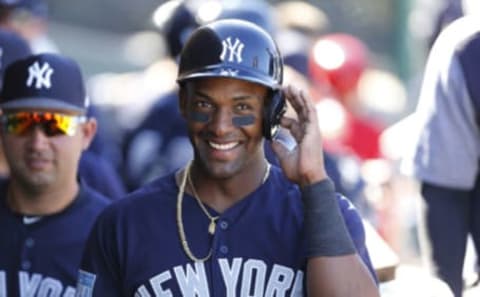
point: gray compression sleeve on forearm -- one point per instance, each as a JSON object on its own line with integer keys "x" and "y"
{"x": 324, "y": 226}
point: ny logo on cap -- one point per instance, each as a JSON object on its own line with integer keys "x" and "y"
{"x": 234, "y": 50}
{"x": 41, "y": 75}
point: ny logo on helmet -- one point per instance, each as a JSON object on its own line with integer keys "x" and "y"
{"x": 228, "y": 72}
{"x": 234, "y": 51}
{"x": 41, "y": 75}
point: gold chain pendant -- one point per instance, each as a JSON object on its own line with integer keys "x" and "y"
{"x": 212, "y": 225}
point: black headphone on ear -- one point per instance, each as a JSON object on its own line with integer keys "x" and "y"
{"x": 273, "y": 112}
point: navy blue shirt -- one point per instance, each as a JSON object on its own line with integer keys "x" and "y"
{"x": 40, "y": 256}
{"x": 99, "y": 174}
{"x": 159, "y": 144}
{"x": 258, "y": 245}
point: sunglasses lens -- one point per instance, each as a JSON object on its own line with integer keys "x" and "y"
{"x": 17, "y": 123}
{"x": 52, "y": 124}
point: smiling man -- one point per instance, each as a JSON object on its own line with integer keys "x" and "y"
{"x": 45, "y": 212}
{"x": 229, "y": 223}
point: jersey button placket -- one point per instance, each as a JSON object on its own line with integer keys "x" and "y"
{"x": 29, "y": 243}
{"x": 26, "y": 265}
{"x": 220, "y": 250}
{"x": 223, "y": 225}
{"x": 223, "y": 248}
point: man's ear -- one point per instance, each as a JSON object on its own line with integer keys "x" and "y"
{"x": 89, "y": 129}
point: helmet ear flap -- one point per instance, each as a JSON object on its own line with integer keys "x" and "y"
{"x": 273, "y": 112}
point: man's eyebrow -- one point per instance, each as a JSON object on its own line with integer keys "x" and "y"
{"x": 236, "y": 98}
{"x": 244, "y": 97}
{"x": 202, "y": 95}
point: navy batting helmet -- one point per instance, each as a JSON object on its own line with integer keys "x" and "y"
{"x": 232, "y": 48}
{"x": 240, "y": 50}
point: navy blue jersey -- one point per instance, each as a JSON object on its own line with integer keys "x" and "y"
{"x": 159, "y": 144}
{"x": 99, "y": 174}
{"x": 258, "y": 247}
{"x": 40, "y": 256}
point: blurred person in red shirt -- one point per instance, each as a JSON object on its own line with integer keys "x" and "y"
{"x": 336, "y": 64}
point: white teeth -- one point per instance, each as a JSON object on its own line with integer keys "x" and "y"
{"x": 222, "y": 147}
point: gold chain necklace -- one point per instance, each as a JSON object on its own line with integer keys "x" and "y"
{"x": 212, "y": 225}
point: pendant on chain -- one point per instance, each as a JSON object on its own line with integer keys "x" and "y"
{"x": 212, "y": 226}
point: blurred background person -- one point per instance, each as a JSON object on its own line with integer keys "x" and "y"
{"x": 12, "y": 48}
{"x": 336, "y": 64}
{"x": 159, "y": 143}
{"x": 29, "y": 18}
{"x": 448, "y": 149}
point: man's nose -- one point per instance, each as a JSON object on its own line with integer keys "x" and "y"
{"x": 37, "y": 137}
{"x": 221, "y": 122}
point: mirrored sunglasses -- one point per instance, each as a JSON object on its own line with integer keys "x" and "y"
{"x": 52, "y": 123}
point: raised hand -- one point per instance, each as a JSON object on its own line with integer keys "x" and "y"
{"x": 303, "y": 164}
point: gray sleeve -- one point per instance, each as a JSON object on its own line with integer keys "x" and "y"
{"x": 447, "y": 151}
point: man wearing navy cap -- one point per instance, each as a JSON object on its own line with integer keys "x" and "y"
{"x": 45, "y": 212}
{"x": 96, "y": 171}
